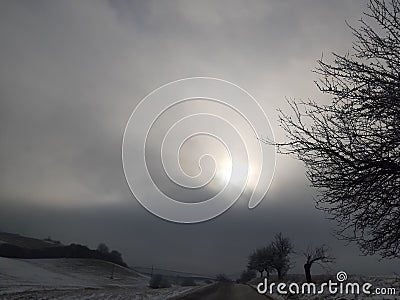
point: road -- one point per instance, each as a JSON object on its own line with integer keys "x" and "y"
{"x": 229, "y": 291}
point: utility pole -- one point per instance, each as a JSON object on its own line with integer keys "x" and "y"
{"x": 112, "y": 272}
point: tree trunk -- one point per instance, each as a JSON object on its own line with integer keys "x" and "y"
{"x": 307, "y": 270}
{"x": 279, "y": 271}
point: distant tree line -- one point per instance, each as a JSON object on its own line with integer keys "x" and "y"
{"x": 71, "y": 251}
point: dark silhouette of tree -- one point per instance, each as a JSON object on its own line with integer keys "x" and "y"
{"x": 261, "y": 260}
{"x": 267, "y": 253}
{"x": 281, "y": 250}
{"x": 116, "y": 257}
{"x": 256, "y": 262}
{"x": 275, "y": 256}
{"x": 351, "y": 146}
{"x": 103, "y": 248}
{"x": 315, "y": 255}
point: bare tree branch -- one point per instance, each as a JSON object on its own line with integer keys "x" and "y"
{"x": 351, "y": 146}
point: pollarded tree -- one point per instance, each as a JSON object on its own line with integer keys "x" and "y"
{"x": 351, "y": 146}
{"x": 316, "y": 255}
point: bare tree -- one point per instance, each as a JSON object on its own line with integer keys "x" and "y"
{"x": 275, "y": 256}
{"x": 351, "y": 146}
{"x": 281, "y": 249}
{"x": 261, "y": 260}
{"x": 256, "y": 262}
{"x": 316, "y": 255}
{"x": 267, "y": 253}
{"x": 103, "y": 248}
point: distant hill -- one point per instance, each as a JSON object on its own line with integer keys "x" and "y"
{"x": 17, "y": 246}
{"x": 31, "y": 274}
{"x": 26, "y": 242}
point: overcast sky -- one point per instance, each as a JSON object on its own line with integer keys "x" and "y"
{"x": 71, "y": 72}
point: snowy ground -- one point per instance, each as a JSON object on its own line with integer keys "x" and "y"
{"x": 75, "y": 279}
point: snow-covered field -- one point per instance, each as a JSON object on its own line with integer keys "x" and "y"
{"x": 75, "y": 279}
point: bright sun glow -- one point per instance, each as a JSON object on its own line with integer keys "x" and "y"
{"x": 225, "y": 171}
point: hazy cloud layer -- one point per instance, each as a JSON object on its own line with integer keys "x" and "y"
{"x": 71, "y": 73}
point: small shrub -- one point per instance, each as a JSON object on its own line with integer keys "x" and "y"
{"x": 157, "y": 281}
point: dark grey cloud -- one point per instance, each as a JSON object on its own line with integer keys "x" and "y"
{"x": 71, "y": 73}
